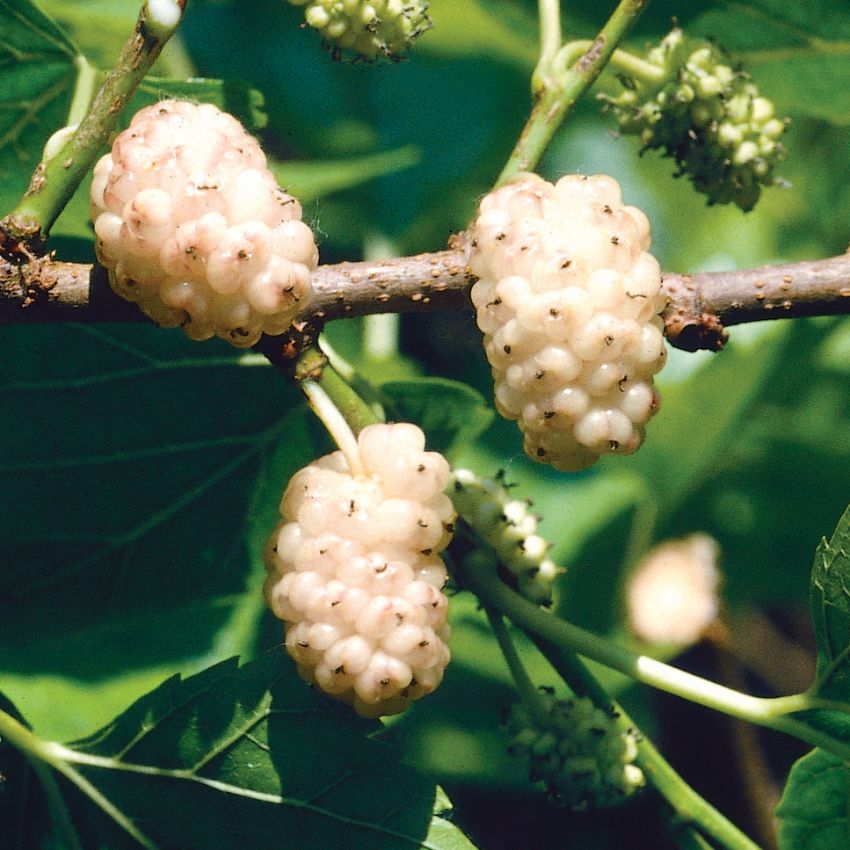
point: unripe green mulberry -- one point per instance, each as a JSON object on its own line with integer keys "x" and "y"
{"x": 508, "y": 526}
{"x": 580, "y": 754}
{"x": 708, "y": 116}
{"x": 372, "y": 28}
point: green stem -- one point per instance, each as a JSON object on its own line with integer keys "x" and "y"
{"x": 312, "y": 364}
{"x": 557, "y": 100}
{"x": 550, "y": 42}
{"x": 84, "y": 90}
{"x": 525, "y": 687}
{"x": 806, "y": 702}
{"x": 622, "y": 60}
{"x": 763, "y": 712}
{"x": 41, "y": 756}
{"x": 691, "y": 810}
{"x": 56, "y": 179}
{"x": 26, "y": 742}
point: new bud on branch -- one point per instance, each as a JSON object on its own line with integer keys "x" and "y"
{"x": 371, "y": 28}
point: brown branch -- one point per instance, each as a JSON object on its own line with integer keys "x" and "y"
{"x": 700, "y": 305}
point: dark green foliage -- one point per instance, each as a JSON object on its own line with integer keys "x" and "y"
{"x": 140, "y": 474}
{"x": 813, "y": 810}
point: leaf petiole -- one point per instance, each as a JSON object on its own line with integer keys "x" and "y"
{"x": 43, "y": 755}
{"x": 770, "y": 713}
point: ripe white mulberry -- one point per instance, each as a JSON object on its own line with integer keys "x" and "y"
{"x": 355, "y": 572}
{"x": 194, "y": 229}
{"x": 372, "y": 28}
{"x": 568, "y": 298}
{"x": 581, "y": 755}
{"x": 708, "y": 116}
{"x": 673, "y": 594}
{"x": 508, "y": 526}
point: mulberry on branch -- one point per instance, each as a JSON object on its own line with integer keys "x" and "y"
{"x": 708, "y": 116}
{"x": 568, "y": 299}
{"x": 579, "y": 753}
{"x": 355, "y": 571}
{"x": 193, "y": 228}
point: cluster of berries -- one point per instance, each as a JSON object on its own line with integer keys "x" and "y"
{"x": 708, "y": 116}
{"x": 568, "y": 298}
{"x": 581, "y": 755}
{"x": 355, "y": 571}
{"x": 194, "y": 229}
{"x": 371, "y": 28}
{"x": 509, "y": 527}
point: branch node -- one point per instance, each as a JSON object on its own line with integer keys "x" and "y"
{"x": 21, "y": 239}
{"x": 695, "y": 334}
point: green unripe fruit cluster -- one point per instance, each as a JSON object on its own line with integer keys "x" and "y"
{"x": 371, "y": 28}
{"x": 708, "y": 116}
{"x": 509, "y": 527}
{"x": 580, "y": 754}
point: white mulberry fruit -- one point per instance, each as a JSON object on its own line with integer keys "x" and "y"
{"x": 708, "y": 116}
{"x": 509, "y": 527}
{"x": 354, "y": 571}
{"x": 194, "y": 229}
{"x": 581, "y": 755}
{"x": 568, "y": 298}
{"x": 371, "y": 28}
{"x": 673, "y": 594}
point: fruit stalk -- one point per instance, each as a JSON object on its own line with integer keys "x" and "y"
{"x": 559, "y": 96}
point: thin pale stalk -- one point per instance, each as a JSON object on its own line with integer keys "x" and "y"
{"x": 322, "y": 405}
{"x": 762, "y": 712}
{"x": 549, "y": 14}
{"x": 525, "y": 687}
{"x": 621, "y": 60}
{"x": 313, "y": 365}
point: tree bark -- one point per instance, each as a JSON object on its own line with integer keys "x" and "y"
{"x": 700, "y": 306}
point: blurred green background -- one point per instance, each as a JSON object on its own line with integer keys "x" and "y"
{"x": 140, "y": 472}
